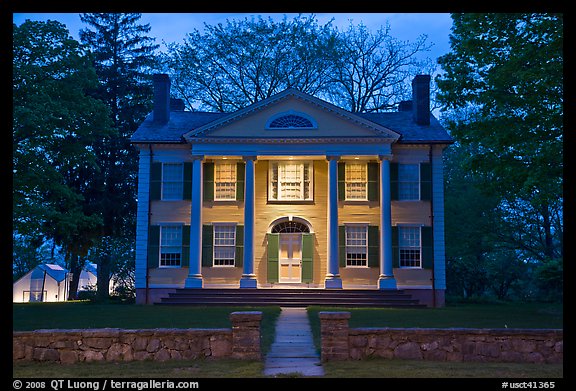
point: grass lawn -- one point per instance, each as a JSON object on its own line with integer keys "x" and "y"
{"x": 381, "y": 368}
{"x": 85, "y": 315}
{"x": 142, "y": 369}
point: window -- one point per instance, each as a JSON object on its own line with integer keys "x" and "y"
{"x": 172, "y": 181}
{"x": 224, "y": 181}
{"x": 291, "y": 120}
{"x": 224, "y": 244}
{"x": 290, "y": 181}
{"x": 409, "y": 246}
{"x": 356, "y": 181}
{"x": 357, "y": 245}
{"x": 170, "y": 245}
{"x": 408, "y": 182}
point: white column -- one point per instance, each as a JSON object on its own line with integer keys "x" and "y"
{"x": 386, "y": 279}
{"x": 194, "y": 279}
{"x": 333, "y": 280}
{"x": 248, "y": 279}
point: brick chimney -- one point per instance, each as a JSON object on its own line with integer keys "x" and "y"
{"x": 161, "y": 112}
{"x": 421, "y": 99}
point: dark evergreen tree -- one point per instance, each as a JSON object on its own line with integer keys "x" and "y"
{"x": 124, "y": 59}
{"x": 55, "y": 123}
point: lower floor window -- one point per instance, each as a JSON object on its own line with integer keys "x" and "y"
{"x": 224, "y": 245}
{"x": 170, "y": 245}
{"x": 357, "y": 245}
{"x": 409, "y": 246}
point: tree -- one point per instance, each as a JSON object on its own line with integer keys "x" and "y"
{"x": 124, "y": 59}
{"x": 231, "y": 66}
{"x": 504, "y": 80}
{"x": 55, "y": 123}
{"x": 372, "y": 69}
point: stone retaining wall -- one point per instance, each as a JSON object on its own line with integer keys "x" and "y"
{"x": 339, "y": 342}
{"x": 70, "y": 346}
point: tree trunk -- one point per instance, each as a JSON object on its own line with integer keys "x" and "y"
{"x": 75, "y": 268}
{"x": 103, "y": 284}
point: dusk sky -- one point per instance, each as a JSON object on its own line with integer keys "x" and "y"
{"x": 173, "y": 27}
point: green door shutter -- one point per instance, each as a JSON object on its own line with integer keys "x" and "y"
{"x": 207, "y": 242}
{"x": 239, "y": 256}
{"x": 341, "y": 181}
{"x": 185, "y": 246}
{"x": 187, "y": 187}
{"x": 373, "y": 246}
{"x": 425, "y": 181}
{"x": 307, "y": 257}
{"x": 373, "y": 191}
{"x": 208, "y": 181}
{"x": 394, "y": 181}
{"x": 272, "y": 251}
{"x": 427, "y": 247}
{"x": 395, "y": 248}
{"x": 155, "y": 181}
{"x": 342, "y": 246}
{"x": 240, "y": 168}
{"x": 153, "y": 246}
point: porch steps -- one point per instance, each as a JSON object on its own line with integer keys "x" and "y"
{"x": 291, "y": 298}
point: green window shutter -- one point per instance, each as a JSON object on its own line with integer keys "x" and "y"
{"x": 395, "y": 248}
{"x": 187, "y": 186}
{"x": 307, "y": 257}
{"x": 394, "y": 181}
{"x": 373, "y": 246}
{"x": 208, "y": 181}
{"x": 240, "y": 168}
{"x": 341, "y": 181}
{"x": 373, "y": 192}
{"x": 425, "y": 181}
{"x": 272, "y": 251}
{"x": 185, "y": 246}
{"x": 155, "y": 181}
{"x": 342, "y": 246}
{"x": 153, "y": 246}
{"x": 427, "y": 247}
{"x": 207, "y": 243}
{"x": 239, "y": 257}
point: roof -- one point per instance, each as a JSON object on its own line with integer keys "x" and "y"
{"x": 57, "y": 272}
{"x": 196, "y": 123}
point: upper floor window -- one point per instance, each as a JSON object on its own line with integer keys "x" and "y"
{"x": 291, "y": 120}
{"x": 172, "y": 181}
{"x": 356, "y": 181}
{"x": 408, "y": 182}
{"x": 224, "y": 181}
{"x": 290, "y": 181}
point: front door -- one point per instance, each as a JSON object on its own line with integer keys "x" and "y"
{"x": 290, "y": 258}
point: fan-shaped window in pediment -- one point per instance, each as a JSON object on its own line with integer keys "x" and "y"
{"x": 291, "y": 120}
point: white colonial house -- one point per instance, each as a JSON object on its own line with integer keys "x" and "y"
{"x": 291, "y": 191}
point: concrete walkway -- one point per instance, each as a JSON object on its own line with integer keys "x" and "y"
{"x": 293, "y": 348}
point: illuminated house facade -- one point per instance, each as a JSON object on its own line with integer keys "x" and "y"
{"x": 291, "y": 191}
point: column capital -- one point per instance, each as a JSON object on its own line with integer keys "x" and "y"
{"x": 197, "y": 157}
{"x": 384, "y": 157}
{"x": 250, "y": 157}
{"x": 332, "y": 157}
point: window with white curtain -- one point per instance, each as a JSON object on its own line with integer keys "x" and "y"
{"x": 290, "y": 181}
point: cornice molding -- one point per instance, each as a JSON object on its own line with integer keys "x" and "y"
{"x": 290, "y": 140}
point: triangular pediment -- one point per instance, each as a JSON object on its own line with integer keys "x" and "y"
{"x": 291, "y": 114}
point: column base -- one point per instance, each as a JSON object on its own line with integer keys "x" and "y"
{"x": 387, "y": 283}
{"x": 333, "y": 283}
{"x": 194, "y": 282}
{"x": 249, "y": 282}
